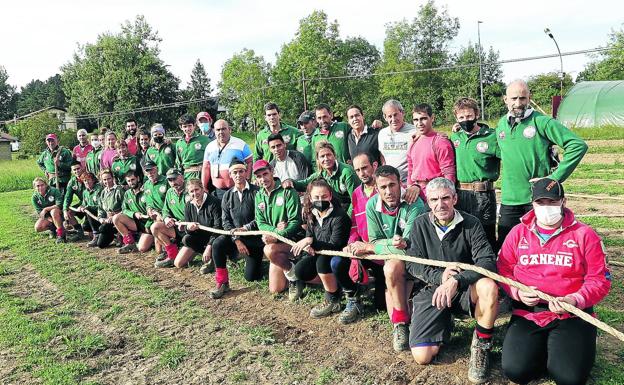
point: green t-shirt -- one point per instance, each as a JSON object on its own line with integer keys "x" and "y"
{"x": 477, "y": 156}
{"x": 74, "y": 188}
{"x": 52, "y": 197}
{"x": 337, "y": 135}
{"x": 261, "y": 149}
{"x": 525, "y": 154}
{"x": 280, "y": 205}
{"x": 383, "y": 226}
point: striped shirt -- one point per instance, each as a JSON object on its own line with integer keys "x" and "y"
{"x": 220, "y": 159}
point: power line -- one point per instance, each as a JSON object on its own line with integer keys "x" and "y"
{"x": 341, "y": 77}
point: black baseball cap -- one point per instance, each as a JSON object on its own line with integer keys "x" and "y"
{"x": 149, "y": 165}
{"x": 305, "y": 117}
{"x": 547, "y": 188}
{"x": 173, "y": 173}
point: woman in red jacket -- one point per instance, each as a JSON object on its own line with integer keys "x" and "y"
{"x": 553, "y": 253}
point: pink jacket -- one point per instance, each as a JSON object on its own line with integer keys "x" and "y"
{"x": 359, "y": 228}
{"x": 429, "y": 157}
{"x": 572, "y": 262}
{"x": 80, "y": 153}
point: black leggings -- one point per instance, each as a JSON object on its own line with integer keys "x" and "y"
{"x": 223, "y": 247}
{"x": 310, "y": 265}
{"x": 509, "y": 216}
{"x": 107, "y": 234}
{"x": 341, "y": 265}
{"x": 566, "y": 349}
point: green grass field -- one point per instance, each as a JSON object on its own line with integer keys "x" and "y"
{"x": 18, "y": 174}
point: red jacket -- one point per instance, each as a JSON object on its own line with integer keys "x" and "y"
{"x": 572, "y": 262}
{"x": 429, "y": 157}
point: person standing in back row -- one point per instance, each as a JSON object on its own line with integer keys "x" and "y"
{"x": 526, "y": 138}
{"x": 395, "y": 140}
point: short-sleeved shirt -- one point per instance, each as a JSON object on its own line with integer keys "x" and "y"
{"x": 220, "y": 159}
{"x": 394, "y": 146}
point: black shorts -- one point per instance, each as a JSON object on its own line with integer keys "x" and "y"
{"x": 140, "y": 225}
{"x": 432, "y": 326}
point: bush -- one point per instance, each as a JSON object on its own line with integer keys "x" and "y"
{"x": 31, "y": 133}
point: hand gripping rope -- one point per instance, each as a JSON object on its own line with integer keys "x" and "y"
{"x": 464, "y": 266}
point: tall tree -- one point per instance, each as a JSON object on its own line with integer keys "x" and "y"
{"x": 609, "y": 64}
{"x": 318, "y": 54}
{"x": 39, "y": 94}
{"x": 544, "y": 86}
{"x": 119, "y": 72}
{"x": 417, "y": 46}
{"x": 199, "y": 88}
{"x": 242, "y": 89}
{"x": 7, "y": 92}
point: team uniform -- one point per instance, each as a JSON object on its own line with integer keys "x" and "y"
{"x": 92, "y": 161}
{"x": 337, "y": 135}
{"x": 430, "y": 157}
{"x": 52, "y": 197}
{"x": 525, "y": 153}
{"x": 394, "y": 146}
{"x": 110, "y": 201}
{"x": 173, "y": 207}
{"x": 90, "y": 201}
{"x": 477, "y": 157}
{"x": 80, "y": 153}
{"x": 190, "y": 155}
{"x": 569, "y": 260}
{"x": 262, "y": 151}
{"x": 342, "y": 181}
{"x": 155, "y": 193}
{"x": 46, "y": 164}
{"x": 135, "y": 202}
{"x": 121, "y": 166}
{"x": 164, "y": 155}
{"x": 75, "y": 188}
{"x": 279, "y": 205}
{"x": 462, "y": 240}
{"x": 304, "y": 146}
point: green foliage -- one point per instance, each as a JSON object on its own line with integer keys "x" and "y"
{"x": 318, "y": 52}
{"x": 119, "y": 72}
{"x": 7, "y": 92}
{"x": 544, "y": 86}
{"x": 32, "y": 131}
{"x": 609, "y": 64}
{"x": 604, "y": 132}
{"x": 241, "y": 87}
{"x": 417, "y": 45}
{"x": 39, "y": 94}
{"x": 199, "y": 88}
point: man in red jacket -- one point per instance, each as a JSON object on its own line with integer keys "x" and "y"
{"x": 553, "y": 253}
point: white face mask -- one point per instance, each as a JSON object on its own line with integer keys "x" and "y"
{"x": 548, "y": 215}
{"x": 95, "y": 143}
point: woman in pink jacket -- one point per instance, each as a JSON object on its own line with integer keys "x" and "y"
{"x": 552, "y": 252}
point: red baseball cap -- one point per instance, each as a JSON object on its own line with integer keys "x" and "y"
{"x": 51, "y": 136}
{"x": 204, "y": 115}
{"x": 260, "y": 164}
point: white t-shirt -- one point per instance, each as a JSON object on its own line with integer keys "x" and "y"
{"x": 286, "y": 169}
{"x": 394, "y": 145}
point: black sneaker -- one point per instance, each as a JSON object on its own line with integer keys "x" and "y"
{"x": 400, "y": 337}
{"x": 295, "y": 290}
{"x": 479, "y": 367}
{"x": 93, "y": 242}
{"x": 160, "y": 257}
{"x": 75, "y": 237}
{"x": 352, "y": 311}
{"x": 164, "y": 263}
{"x": 219, "y": 291}
{"x": 325, "y": 309}
{"x": 61, "y": 239}
{"x": 129, "y": 248}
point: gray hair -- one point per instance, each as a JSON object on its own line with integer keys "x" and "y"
{"x": 441, "y": 183}
{"x": 393, "y": 103}
{"x": 81, "y": 131}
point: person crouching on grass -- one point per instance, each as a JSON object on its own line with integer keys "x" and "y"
{"x": 133, "y": 219}
{"x": 48, "y": 201}
{"x": 328, "y": 228}
{"x": 90, "y": 202}
{"x": 202, "y": 209}
{"x": 110, "y": 200}
{"x": 238, "y": 207}
{"x": 552, "y": 252}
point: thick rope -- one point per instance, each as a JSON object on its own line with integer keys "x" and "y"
{"x": 464, "y": 266}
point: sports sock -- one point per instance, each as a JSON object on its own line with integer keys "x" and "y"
{"x": 484, "y": 333}
{"x": 399, "y": 316}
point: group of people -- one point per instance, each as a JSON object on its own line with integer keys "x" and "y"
{"x": 330, "y": 187}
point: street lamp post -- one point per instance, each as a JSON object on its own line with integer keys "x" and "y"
{"x": 480, "y": 69}
{"x": 561, "y": 73}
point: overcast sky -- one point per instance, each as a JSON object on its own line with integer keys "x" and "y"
{"x": 40, "y": 36}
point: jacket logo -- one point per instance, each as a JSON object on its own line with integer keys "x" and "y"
{"x": 162, "y": 189}
{"x": 279, "y": 201}
{"x": 117, "y": 168}
{"x": 152, "y": 156}
{"x": 198, "y": 146}
{"x": 167, "y": 151}
{"x": 300, "y": 149}
{"x": 142, "y": 199}
{"x": 523, "y": 244}
{"x": 51, "y": 198}
{"x": 343, "y": 188}
{"x": 482, "y": 147}
{"x": 286, "y": 138}
{"x": 529, "y": 132}
{"x": 172, "y": 201}
{"x": 339, "y": 134}
{"x": 385, "y": 227}
{"x": 133, "y": 167}
{"x": 501, "y": 135}
{"x": 402, "y": 223}
{"x": 74, "y": 187}
{"x": 456, "y": 143}
{"x": 261, "y": 206}
{"x": 570, "y": 244}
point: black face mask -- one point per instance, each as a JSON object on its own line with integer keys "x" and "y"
{"x": 159, "y": 139}
{"x": 320, "y": 205}
{"x": 468, "y": 125}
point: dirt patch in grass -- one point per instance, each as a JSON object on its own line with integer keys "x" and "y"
{"x": 602, "y": 158}
{"x": 605, "y": 142}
